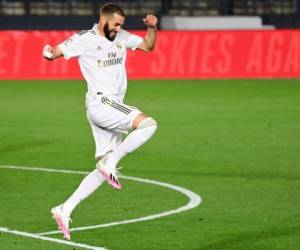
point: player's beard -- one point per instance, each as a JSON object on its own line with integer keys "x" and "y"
{"x": 109, "y": 34}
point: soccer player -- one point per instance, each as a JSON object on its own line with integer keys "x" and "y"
{"x": 101, "y": 53}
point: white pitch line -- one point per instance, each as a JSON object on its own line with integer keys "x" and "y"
{"x": 194, "y": 199}
{"x": 52, "y": 170}
{"x": 44, "y": 238}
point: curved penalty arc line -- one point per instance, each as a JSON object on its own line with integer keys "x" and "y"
{"x": 194, "y": 199}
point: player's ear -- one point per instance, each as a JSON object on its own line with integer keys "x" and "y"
{"x": 103, "y": 19}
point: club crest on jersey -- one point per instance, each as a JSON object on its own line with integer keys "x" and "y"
{"x": 118, "y": 45}
{"x": 98, "y": 48}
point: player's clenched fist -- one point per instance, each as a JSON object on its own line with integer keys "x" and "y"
{"x": 150, "y": 21}
{"x": 50, "y": 52}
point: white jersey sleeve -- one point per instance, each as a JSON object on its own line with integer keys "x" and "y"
{"x": 72, "y": 47}
{"x": 133, "y": 41}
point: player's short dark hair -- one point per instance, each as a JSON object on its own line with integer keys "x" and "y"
{"x": 110, "y": 9}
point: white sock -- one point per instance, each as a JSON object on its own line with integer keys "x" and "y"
{"x": 134, "y": 140}
{"x": 88, "y": 185}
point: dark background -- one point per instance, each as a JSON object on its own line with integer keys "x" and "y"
{"x": 76, "y": 14}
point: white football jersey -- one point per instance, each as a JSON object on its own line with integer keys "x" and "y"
{"x": 102, "y": 62}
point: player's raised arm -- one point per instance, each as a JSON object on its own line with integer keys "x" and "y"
{"x": 148, "y": 43}
{"x": 51, "y": 53}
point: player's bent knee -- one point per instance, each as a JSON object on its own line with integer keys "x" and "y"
{"x": 148, "y": 124}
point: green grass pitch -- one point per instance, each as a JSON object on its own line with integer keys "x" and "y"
{"x": 236, "y": 143}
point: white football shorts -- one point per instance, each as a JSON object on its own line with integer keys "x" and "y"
{"x": 109, "y": 120}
